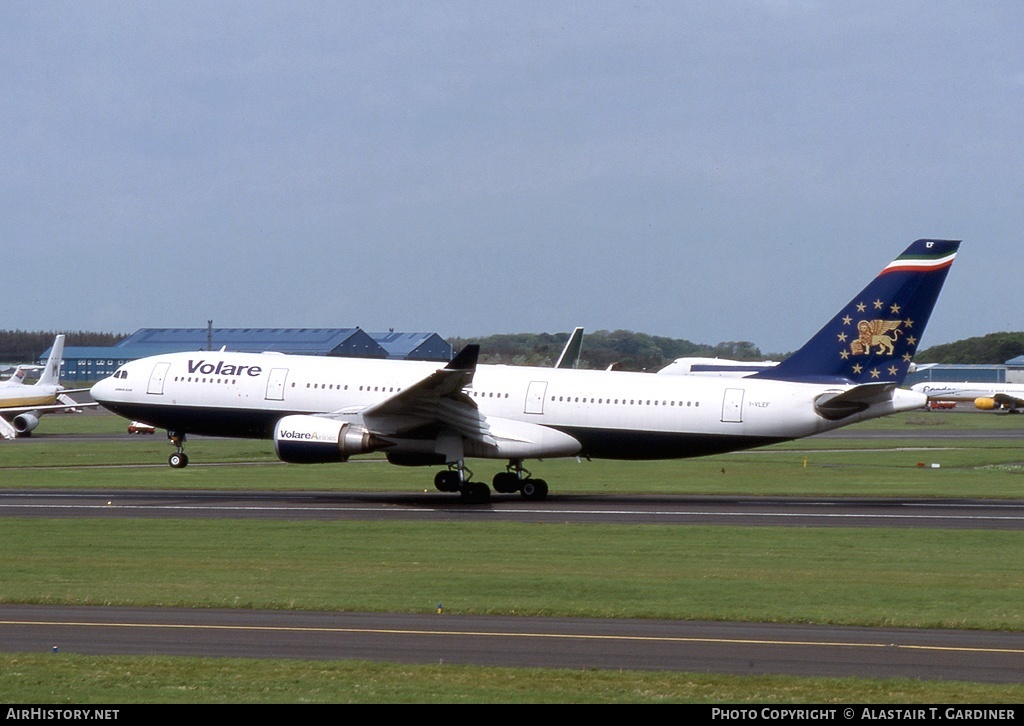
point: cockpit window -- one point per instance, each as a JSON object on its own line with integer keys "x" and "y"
{"x": 120, "y": 373}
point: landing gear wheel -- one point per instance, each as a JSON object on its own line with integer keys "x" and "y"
{"x": 179, "y": 459}
{"x": 476, "y": 492}
{"x": 505, "y": 482}
{"x": 447, "y": 481}
{"x": 534, "y": 489}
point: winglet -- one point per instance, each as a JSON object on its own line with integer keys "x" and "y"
{"x": 466, "y": 359}
{"x": 874, "y": 337}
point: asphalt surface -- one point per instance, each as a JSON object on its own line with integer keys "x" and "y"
{"x": 578, "y": 643}
{"x": 575, "y": 643}
{"x": 556, "y": 509}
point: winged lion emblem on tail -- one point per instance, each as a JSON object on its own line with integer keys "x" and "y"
{"x": 880, "y": 333}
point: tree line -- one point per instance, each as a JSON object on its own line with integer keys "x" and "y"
{"x": 638, "y": 351}
{"x": 625, "y": 349}
{"x": 991, "y": 349}
{"x": 24, "y": 346}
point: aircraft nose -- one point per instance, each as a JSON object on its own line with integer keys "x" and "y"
{"x": 100, "y": 392}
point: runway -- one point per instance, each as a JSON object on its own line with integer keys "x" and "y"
{"x": 437, "y": 507}
{"x": 707, "y": 647}
{"x": 575, "y": 643}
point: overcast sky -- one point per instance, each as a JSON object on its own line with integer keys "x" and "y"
{"x": 716, "y": 171}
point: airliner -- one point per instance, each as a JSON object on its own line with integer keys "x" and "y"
{"x": 715, "y": 367}
{"x": 986, "y": 396}
{"x": 570, "y": 356}
{"x": 319, "y": 409}
{"x": 21, "y": 405}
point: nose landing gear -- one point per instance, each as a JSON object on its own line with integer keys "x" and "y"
{"x": 179, "y": 459}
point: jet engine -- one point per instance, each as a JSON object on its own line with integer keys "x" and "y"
{"x": 986, "y": 404}
{"x": 24, "y": 423}
{"x": 314, "y": 440}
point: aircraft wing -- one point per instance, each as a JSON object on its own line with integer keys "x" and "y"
{"x": 1005, "y": 399}
{"x": 51, "y": 408}
{"x": 435, "y": 400}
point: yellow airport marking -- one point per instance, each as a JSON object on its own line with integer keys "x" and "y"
{"x": 492, "y": 634}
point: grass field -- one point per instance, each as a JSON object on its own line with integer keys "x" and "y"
{"x": 914, "y": 578}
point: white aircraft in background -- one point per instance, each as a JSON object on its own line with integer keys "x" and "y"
{"x": 715, "y": 367}
{"x": 21, "y": 404}
{"x": 570, "y": 356}
{"x": 321, "y": 409}
{"x": 986, "y": 396}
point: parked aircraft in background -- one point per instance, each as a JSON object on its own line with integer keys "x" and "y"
{"x": 986, "y": 396}
{"x": 16, "y": 374}
{"x": 570, "y": 357}
{"x": 320, "y": 409}
{"x": 715, "y": 367}
{"x": 21, "y": 405}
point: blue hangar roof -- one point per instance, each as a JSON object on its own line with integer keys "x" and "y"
{"x": 414, "y": 346}
{"x": 346, "y": 342}
{"x": 305, "y": 341}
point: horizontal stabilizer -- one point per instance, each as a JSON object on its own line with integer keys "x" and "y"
{"x": 835, "y": 405}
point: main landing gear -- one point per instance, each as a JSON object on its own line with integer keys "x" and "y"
{"x": 456, "y": 478}
{"x": 179, "y": 459}
{"x": 515, "y": 479}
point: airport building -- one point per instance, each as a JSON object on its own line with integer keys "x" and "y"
{"x": 1015, "y": 370}
{"x": 83, "y": 363}
{"x": 955, "y": 373}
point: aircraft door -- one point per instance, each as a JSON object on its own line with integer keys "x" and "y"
{"x": 535, "y": 397}
{"x": 275, "y": 384}
{"x": 732, "y": 405}
{"x": 156, "y": 380}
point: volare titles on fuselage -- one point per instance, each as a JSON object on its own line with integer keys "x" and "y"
{"x": 222, "y": 369}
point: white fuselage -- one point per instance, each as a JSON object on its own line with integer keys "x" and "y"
{"x": 612, "y": 414}
{"x": 18, "y": 395}
{"x": 968, "y": 391}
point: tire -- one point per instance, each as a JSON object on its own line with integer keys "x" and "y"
{"x": 178, "y": 461}
{"x": 447, "y": 481}
{"x": 535, "y": 489}
{"x": 505, "y": 482}
{"x": 476, "y": 493}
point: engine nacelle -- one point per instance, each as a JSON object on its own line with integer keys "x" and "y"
{"x": 25, "y": 422}
{"x": 986, "y": 404}
{"x": 314, "y": 440}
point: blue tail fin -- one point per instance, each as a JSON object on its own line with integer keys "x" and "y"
{"x": 873, "y": 339}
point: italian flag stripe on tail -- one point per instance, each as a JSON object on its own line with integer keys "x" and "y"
{"x": 919, "y": 262}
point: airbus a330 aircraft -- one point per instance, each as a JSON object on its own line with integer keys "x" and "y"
{"x": 986, "y": 396}
{"x": 325, "y": 409}
{"x": 21, "y": 405}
